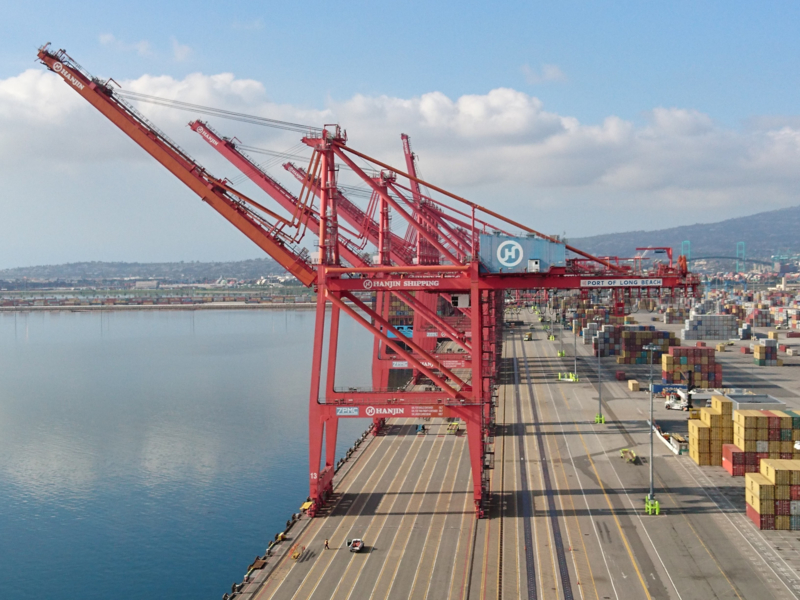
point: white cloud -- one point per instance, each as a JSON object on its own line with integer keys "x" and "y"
{"x": 180, "y": 52}
{"x": 142, "y": 47}
{"x": 547, "y": 73}
{"x": 501, "y": 149}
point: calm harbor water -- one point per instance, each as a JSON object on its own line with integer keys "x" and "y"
{"x": 153, "y": 454}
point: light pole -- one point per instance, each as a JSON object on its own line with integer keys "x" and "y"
{"x": 599, "y": 419}
{"x": 575, "y": 347}
{"x": 651, "y": 504}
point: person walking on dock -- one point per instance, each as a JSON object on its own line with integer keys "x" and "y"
{"x": 326, "y": 544}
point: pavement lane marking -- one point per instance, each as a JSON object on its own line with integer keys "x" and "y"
{"x": 586, "y": 502}
{"x": 760, "y": 552}
{"x": 352, "y": 525}
{"x": 572, "y": 504}
{"x": 527, "y": 478}
{"x": 375, "y": 479}
{"x": 554, "y": 529}
{"x": 444, "y": 522}
{"x": 439, "y": 501}
{"x": 699, "y": 539}
{"x": 622, "y": 487}
{"x": 614, "y": 514}
{"x": 318, "y": 523}
{"x": 394, "y": 488}
{"x": 414, "y": 505}
{"x": 468, "y": 513}
{"x": 411, "y": 530}
{"x": 405, "y": 512}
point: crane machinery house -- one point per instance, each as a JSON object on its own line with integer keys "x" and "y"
{"x": 505, "y": 254}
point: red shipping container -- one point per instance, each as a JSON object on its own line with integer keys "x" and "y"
{"x": 786, "y": 456}
{"x": 700, "y": 344}
{"x": 732, "y": 453}
{"x": 794, "y": 492}
{"x": 783, "y": 347}
{"x": 773, "y": 421}
{"x": 738, "y": 470}
{"x": 792, "y": 334}
{"x": 748, "y": 468}
{"x": 783, "y": 507}
{"x": 727, "y": 465}
{"x": 744, "y": 350}
{"x": 774, "y": 435}
{"x": 763, "y": 522}
{"x": 620, "y": 375}
{"x": 750, "y": 458}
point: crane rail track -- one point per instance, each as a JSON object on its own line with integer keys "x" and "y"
{"x": 527, "y": 504}
{"x": 558, "y": 542}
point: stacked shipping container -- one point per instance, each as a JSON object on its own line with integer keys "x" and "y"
{"x": 773, "y": 495}
{"x": 711, "y": 432}
{"x": 699, "y": 364}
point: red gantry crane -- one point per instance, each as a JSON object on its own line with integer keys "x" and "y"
{"x": 450, "y": 271}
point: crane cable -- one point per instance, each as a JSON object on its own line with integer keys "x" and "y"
{"x": 219, "y": 112}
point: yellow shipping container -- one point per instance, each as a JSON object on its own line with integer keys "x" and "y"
{"x": 633, "y": 385}
{"x": 795, "y": 465}
{"x": 787, "y": 447}
{"x": 782, "y": 522}
{"x": 746, "y": 433}
{"x": 762, "y": 435}
{"x": 782, "y": 492}
{"x": 698, "y": 429}
{"x": 722, "y": 404}
{"x": 759, "y": 485}
{"x": 778, "y": 471}
{"x": 746, "y": 418}
{"x": 761, "y": 505}
{"x": 786, "y": 419}
{"x": 711, "y": 417}
{"x": 774, "y": 447}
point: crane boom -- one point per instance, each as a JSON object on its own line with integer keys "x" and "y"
{"x": 212, "y": 191}
{"x": 274, "y": 189}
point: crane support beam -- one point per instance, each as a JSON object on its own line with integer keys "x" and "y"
{"x": 374, "y": 161}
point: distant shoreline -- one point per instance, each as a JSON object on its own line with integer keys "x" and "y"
{"x": 136, "y": 307}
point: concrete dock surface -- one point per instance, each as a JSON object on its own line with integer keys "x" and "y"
{"x": 566, "y": 516}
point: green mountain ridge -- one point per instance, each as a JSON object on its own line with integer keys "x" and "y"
{"x": 764, "y": 234}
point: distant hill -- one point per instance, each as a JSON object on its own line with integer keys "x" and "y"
{"x": 179, "y": 272}
{"x": 764, "y": 235}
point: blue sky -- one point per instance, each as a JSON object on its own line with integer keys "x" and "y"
{"x": 729, "y": 59}
{"x": 723, "y": 69}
